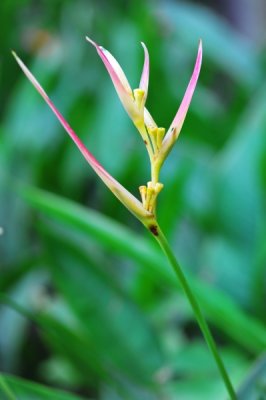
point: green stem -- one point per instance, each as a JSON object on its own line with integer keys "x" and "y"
{"x": 197, "y": 311}
{"x": 155, "y": 171}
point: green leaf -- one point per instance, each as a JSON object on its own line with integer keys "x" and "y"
{"x": 26, "y": 390}
{"x": 221, "y": 310}
{"x": 106, "y": 314}
{"x": 240, "y": 196}
{"x": 70, "y": 339}
{"x": 200, "y": 379}
{"x": 254, "y": 385}
{"x": 238, "y": 58}
{"x": 5, "y": 391}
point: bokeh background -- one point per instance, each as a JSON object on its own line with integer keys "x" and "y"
{"x": 89, "y": 307}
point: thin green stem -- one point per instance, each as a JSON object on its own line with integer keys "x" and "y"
{"x": 197, "y": 311}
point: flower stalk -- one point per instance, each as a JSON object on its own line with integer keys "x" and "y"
{"x": 161, "y": 239}
{"x": 158, "y": 143}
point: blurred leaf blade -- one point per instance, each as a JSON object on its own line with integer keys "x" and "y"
{"x": 5, "y": 390}
{"x": 26, "y": 390}
{"x": 108, "y": 317}
{"x": 238, "y": 59}
{"x": 122, "y": 240}
{"x": 254, "y": 385}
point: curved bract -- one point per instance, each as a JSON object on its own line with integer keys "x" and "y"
{"x": 129, "y": 201}
{"x": 158, "y": 143}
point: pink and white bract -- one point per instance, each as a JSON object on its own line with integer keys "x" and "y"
{"x": 157, "y": 142}
{"x": 132, "y": 100}
{"x": 176, "y": 126}
{"x": 130, "y": 201}
{"x": 129, "y": 100}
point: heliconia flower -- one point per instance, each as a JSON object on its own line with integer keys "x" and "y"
{"x": 158, "y": 143}
{"x": 176, "y": 126}
{"x": 132, "y": 100}
{"x": 129, "y": 201}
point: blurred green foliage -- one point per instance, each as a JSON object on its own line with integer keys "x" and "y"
{"x": 89, "y": 304}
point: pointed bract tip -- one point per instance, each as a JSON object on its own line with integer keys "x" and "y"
{"x": 91, "y": 41}
{"x": 200, "y": 48}
{"x": 200, "y": 45}
{"x": 198, "y": 60}
{"x": 14, "y": 54}
{"x": 176, "y": 125}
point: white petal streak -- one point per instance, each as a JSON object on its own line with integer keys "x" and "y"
{"x": 144, "y": 80}
{"x": 149, "y": 121}
{"x": 119, "y": 79}
{"x": 117, "y": 68}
